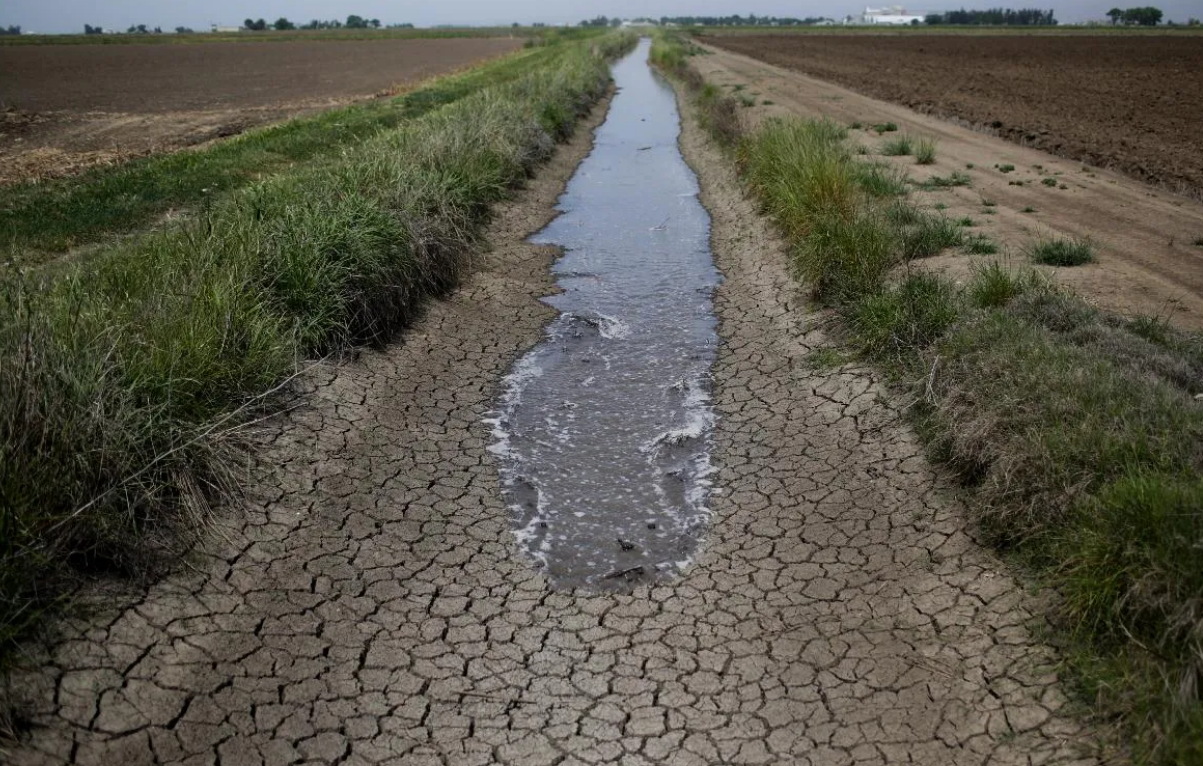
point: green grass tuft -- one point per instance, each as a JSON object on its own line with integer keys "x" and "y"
{"x": 898, "y": 147}
{"x": 892, "y": 325}
{"x": 1062, "y": 252}
{"x": 885, "y": 127}
{"x": 881, "y": 180}
{"x": 929, "y": 236}
{"x": 925, "y": 152}
{"x": 955, "y": 178}
{"x": 993, "y": 286}
{"x": 980, "y": 244}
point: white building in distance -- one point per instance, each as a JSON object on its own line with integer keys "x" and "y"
{"x": 894, "y": 15}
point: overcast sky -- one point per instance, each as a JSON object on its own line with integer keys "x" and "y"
{"x": 71, "y": 15}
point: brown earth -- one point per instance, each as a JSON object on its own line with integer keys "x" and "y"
{"x": 1128, "y": 103}
{"x": 1149, "y": 243}
{"x": 68, "y": 107}
{"x": 372, "y": 605}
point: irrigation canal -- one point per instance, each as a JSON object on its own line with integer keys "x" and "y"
{"x": 603, "y": 428}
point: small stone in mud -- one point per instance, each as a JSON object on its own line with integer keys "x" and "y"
{"x": 626, "y": 545}
{"x": 651, "y": 525}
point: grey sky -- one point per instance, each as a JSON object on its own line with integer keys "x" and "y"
{"x": 71, "y": 15}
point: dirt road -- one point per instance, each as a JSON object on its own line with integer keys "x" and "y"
{"x": 373, "y": 606}
{"x": 1125, "y": 102}
{"x": 1149, "y": 243}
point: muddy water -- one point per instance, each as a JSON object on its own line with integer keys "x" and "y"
{"x": 603, "y": 428}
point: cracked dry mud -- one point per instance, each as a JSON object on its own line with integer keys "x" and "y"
{"x": 372, "y": 607}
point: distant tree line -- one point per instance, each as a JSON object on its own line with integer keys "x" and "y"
{"x": 601, "y": 21}
{"x": 138, "y": 29}
{"x": 1024, "y": 17}
{"x": 1140, "y": 17}
{"x": 13, "y": 30}
{"x": 751, "y": 20}
{"x": 282, "y": 24}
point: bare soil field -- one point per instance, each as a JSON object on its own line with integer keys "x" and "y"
{"x": 1128, "y": 103}
{"x": 1148, "y": 243}
{"x": 65, "y": 107}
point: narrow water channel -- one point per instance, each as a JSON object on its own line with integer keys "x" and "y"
{"x": 603, "y": 429}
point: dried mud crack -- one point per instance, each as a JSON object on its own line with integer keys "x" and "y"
{"x": 371, "y": 606}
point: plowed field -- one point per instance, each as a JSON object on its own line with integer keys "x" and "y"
{"x": 64, "y": 107}
{"x": 1130, "y": 103}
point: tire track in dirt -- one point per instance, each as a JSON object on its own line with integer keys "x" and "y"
{"x": 372, "y": 606}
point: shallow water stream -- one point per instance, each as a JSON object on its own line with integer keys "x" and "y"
{"x": 603, "y": 428}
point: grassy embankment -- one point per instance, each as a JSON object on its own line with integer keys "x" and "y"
{"x": 40, "y": 219}
{"x": 1077, "y": 432}
{"x": 124, "y": 378}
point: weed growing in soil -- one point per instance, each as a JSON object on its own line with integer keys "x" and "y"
{"x": 925, "y": 152}
{"x": 1028, "y": 209}
{"x": 966, "y": 222}
{"x": 955, "y": 178}
{"x": 885, "y": 127}
{"x": 929, "y": 236}
{"x": 825, "y": 359}
{"x": 980, "y": 244}
{"x": 1198, "y": 242}
{"x": 1049, "y": 181}
{"x": 1007, "y": 168}
{"x": 881, "y": 179}
{"x": 993, "y": 286}
{"x": 1062, "y": 252}
{"x": 898, "y": 147}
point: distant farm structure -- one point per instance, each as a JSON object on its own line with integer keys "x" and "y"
{"x": 894, "y": 15}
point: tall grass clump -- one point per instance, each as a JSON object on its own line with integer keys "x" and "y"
{"x": 925, "y": 152}
{"x": 1062, "y": 251}
{"x": 881, "y": 179}
{"x": 125, "y": 378}
{"x": 898, "y": 147}
{"x": 929, "y": 235}
{"x": 811, "y": 187}
{"x": 893, "y": 325}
